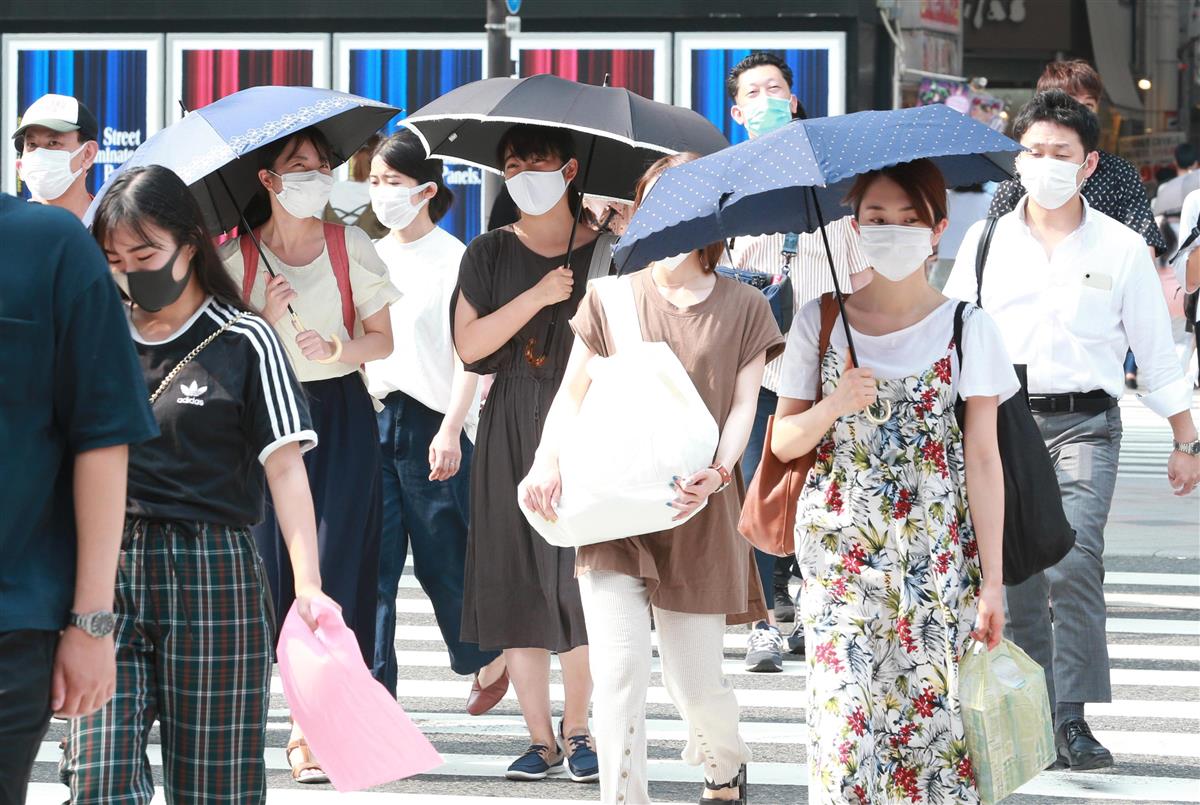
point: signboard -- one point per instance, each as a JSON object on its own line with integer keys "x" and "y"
{"x": 637, "y": 62}
{"x": 203, "y": 68}
{"x": 409, "y": 71}
{"x": 117, "y": 76}
{"x": 703, "y": 63}
{"x": 931, "y": 15}
{"x": 1149, "y": 152}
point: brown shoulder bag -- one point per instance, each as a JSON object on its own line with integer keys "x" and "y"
{"x": 768, "y": 519}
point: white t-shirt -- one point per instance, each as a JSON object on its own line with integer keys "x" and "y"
{"x": 904, "y": 353}
{"x": 319, "y": 302}
{"x": 1187, "y": 222}
{"x": 422, "y": 363}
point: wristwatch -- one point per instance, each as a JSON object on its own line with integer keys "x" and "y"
{"x": 94, "y": 624}
{"x": 1188, "y": 448}
{"x": 726, "y": 478}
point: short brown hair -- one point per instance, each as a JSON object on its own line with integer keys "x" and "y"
{"x": 1075, "y": 77}
{"x": 921, "y": 180}
{"x": 710, "y": 255}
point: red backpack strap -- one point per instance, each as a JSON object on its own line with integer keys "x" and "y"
{"x": 249, "y": 263}
{"x": 335, "y": 241}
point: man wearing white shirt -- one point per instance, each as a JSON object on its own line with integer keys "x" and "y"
{"x": 1070, "y": 289}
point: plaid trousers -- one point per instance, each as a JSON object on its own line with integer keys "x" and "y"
{"x": 194, "y": 650}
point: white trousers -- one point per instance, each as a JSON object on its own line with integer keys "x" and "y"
{"x": 617, "y": 610}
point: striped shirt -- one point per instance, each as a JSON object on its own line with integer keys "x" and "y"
{"x": 810, "y": 268}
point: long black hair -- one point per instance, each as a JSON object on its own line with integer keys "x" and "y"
{"x": 154, "y": 195}
{"x": 403, "y": 152}
{"x": 526, "y": 140}
{"x": 258, "y": 211}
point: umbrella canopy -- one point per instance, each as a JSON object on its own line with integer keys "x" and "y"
{"x": 791, "y": 179}
{"x": 208, "y": 144}
{"x": 629, "y": 131}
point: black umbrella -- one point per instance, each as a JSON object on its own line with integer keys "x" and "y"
{"x": 616, "y": 130}
{"x": 628, "y": 131}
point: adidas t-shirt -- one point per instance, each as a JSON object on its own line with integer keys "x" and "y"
{"x": 227, "y": 410}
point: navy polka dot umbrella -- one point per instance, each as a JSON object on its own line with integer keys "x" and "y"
{"x": 795, "y": 179}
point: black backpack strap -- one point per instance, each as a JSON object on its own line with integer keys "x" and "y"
{"x": 981, "y": 255}
{"x": 1183, "y": 247}
{"x": 958, "y": 332}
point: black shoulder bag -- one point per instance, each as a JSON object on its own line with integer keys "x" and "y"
{"x": 1189, "y": 299}
{"x": 1036, "y": 532}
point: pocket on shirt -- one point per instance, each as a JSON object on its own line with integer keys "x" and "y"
{"x": 23, "y": 369}
{"x": 1094, "y": 311}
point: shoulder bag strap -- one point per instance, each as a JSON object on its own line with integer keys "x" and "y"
{"x": 981, "y": 256}
{"x": 249, "y": 263}
{"x": 1183, "y": 247}
{"x": 620, "y": 311}
{"x": 958, "y": 332}
{"x": 601, "y": 257}
{"x": 335, "y": 241}
{"x": 829, "y": 314}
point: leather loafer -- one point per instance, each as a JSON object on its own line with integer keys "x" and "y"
{"x": 482, "y": 700}
{"x": 1078, "y": 749}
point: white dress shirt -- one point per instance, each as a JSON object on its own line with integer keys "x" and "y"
{"x": 1069, "y": 317}
{"x": 1187, "y": 222}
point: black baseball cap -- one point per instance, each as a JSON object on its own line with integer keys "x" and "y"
{"x": 59, "y": 113}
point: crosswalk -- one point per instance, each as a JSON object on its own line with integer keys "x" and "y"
{"x": 1152, "y": 726}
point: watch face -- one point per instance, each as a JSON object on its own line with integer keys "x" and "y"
{"x": 103, "y": 623}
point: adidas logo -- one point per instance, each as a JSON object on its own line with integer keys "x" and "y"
{"x": 191, "y": 394}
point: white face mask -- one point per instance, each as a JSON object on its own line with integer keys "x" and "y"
{"x": 673, "y": 262}
{"x": 48, "y": 172}
{"x": 304, "y": 193}
{"x": 536, "y": 192}
{"x": 1050, "y": 182}
{"x": 394, "y": 206}
{"x": 896, "y": 251}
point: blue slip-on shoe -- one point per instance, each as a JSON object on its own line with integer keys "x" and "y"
{"x": 582, "y": 764}
{"x": 535, "y": 763}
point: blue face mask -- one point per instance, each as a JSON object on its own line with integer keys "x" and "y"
{"x": 764, "y": 114}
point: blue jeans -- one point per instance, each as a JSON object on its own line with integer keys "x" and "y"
{"x": 432, "y": 517}
{"x": 767, "y": 564}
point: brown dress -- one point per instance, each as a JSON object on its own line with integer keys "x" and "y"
{"x": 519, "y": 591}
{"x": 703, "y": 566}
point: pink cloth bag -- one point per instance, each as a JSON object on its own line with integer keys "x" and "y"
{"x": 358, "y": 733}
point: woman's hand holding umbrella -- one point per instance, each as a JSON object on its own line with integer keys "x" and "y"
{"x": 279, "y": 298}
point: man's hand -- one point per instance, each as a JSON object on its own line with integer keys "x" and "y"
{"x": 85, "y": 674}
{"x": 1183, "y": 472}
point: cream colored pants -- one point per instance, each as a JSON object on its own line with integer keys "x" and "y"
{"x": 617, "y": 610}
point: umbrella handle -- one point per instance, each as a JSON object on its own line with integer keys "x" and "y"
{"x": 337, "y": 342}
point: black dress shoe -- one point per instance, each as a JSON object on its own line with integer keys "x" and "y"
{"x": 1078, "y": 749}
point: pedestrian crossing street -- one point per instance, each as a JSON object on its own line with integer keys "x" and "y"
{"x": 1152, "y": 726}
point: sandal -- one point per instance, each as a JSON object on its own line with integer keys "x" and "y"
{"x": 308, "y": 764}
{"x": 738, "y": 782}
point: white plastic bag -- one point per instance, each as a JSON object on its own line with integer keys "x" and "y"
{"x": 1006, "y": 716}
{"x": 641, "y": 423}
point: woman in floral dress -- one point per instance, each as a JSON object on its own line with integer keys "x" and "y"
{"x": 899, "y": 567}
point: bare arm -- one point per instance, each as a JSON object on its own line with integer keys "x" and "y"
{"x": 985, "y": 481}
{"x": 694, "y": 491}
{"x": 375, "y": 342}
{"x": 84, "y": 675}
{"x": 476, "y": 337}
{"x": 288, "y": 482}
{"x": 800, "y": 425}
{"x": 445, "y": 451}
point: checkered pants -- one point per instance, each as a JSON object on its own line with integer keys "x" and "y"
{"x": 193, "y": 637}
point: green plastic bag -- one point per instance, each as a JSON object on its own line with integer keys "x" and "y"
{"x": 1006, "y": 715}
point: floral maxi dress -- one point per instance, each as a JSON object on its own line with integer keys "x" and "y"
{"x": 891, "y": 579}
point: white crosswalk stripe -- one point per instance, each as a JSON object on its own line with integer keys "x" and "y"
{"x": 1152, "y": 726}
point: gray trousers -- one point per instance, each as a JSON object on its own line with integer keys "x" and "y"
{"x": 1074, "y": 650}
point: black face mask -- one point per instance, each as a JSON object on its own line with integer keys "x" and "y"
{"x": 154, "y": 289}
